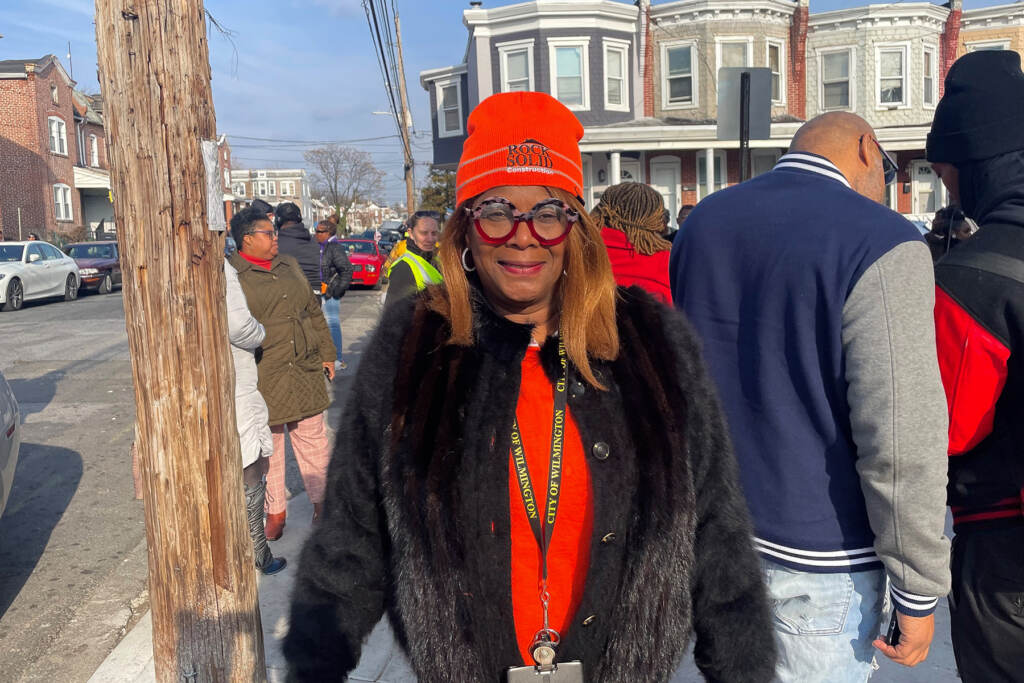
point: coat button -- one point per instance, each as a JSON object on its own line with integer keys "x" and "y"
{"x": 608, "y": 538}
{"x": 284, "y": 296}
{"x": 576, "y": 389}
{"x": 590, "y": 620}
{"x": 601, "y": 450}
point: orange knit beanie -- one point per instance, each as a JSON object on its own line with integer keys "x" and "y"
{"x": 520, "y": 138}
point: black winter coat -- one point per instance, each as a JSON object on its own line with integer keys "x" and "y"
{"x": 416, "y": 516}
{"x": 293, "y": 239}
{"x": 335, "y": 269}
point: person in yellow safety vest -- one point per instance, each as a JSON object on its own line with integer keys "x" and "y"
{"x": 416, "y": 268}
{"x": 396, "y": 252}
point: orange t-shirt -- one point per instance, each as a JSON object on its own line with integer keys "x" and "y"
{"x": 569, "y": 549}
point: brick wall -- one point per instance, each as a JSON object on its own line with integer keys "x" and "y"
{"x": 88, "y": 130}
{"x": 797, "y": 84}
{"x": 23, "y": 171}
{"x": 59, "y": 167}
{"x": 950, "y": 46}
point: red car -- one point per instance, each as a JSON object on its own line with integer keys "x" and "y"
{"x": 99, "y": 264}
{"x": 367, "y": 262}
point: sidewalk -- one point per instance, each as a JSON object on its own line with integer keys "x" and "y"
{"x": 132, "y": 659}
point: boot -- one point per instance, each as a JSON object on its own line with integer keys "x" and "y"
{"x": 318, "y": 510}
{"x": 275, "y": 525}
{"x": 255, "y": 499}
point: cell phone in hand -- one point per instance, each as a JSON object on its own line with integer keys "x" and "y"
{"x": 892, "y": 634}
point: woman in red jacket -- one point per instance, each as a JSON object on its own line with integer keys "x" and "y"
{"x": 632, "y": 216}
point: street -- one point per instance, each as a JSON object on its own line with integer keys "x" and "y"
{"x": 72, "y": 539}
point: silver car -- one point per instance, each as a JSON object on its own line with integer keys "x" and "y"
{"x": 10, "y": 440}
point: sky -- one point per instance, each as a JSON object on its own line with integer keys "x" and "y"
{"x": 295, "y": 70}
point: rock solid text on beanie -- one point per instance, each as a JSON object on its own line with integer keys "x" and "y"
{"x": 529, "y": 153}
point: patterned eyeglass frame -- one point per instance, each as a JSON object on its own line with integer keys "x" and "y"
{"x": 571, "y": 214}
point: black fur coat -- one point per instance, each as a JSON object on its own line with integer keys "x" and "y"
{"x": 416, "y": 516}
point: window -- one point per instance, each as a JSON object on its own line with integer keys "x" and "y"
{"x": 239, "y": 189}
{"x": 35, "y": 250}
{"x": 449, "y": 108}
{"x": 260, "y": 188}
{"x": 271, "y": 188}
{"x": 287, "y": 188}
{"x": 570, "y": 78}
{"x": 516, "y": 64}
{"x": 94, "y": 151}
{"x": 54, "y": 97}
{"x": 678, "y": 77}
{"x": 930, "y": 77}
{"x": 261, "y": 174}
{"x": 891, "y": 64}
{"x": 776, "y": 62}
{"x": 702, "y": 172}
{"x": 62, "y": 202}
{"x": 762, "y": 161}
{"x": 58, "y": 136}
{"x": 733, "y": 52}
{"x": 988, "y": 45}
{"x": 616, "y": 75}
{"x": 835, "y": 80}
{"x": 51, "y": 253}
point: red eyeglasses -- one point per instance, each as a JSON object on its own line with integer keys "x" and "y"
{"x": 549, "y": 221}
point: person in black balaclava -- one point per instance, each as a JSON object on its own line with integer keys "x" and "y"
{"x": 294, "y": 239}
{"x": 976, "y": 145}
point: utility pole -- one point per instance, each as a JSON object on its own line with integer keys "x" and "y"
{"x": 155, "y": 77}
{"x": 405, "y": 124}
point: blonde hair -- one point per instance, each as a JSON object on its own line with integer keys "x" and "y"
{"x": 585, "y": 297}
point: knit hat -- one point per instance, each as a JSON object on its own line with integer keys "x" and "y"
{"x": 287, "y": 212}
{"x": 520, "y": 138}
{"x": 979, "y": 115}
{"x": 262, "y": 206}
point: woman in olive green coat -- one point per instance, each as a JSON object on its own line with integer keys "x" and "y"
{"x": 295, "y": 356}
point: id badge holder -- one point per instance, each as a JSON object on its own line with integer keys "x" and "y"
{"x": 564, "y": 672}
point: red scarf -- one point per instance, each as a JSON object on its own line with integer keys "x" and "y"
{"x": 262, "y": 263}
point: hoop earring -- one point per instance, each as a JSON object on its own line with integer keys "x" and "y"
{"x": 465, "y": 267}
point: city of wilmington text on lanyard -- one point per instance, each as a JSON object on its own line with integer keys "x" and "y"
{"x": 545, "y": 642}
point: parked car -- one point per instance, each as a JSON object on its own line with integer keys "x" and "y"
{"x": 367, "y": 262}
{"x": 10, "y": 439}
{"x": 35, "y": 270}
{"x": 99, "y": 264}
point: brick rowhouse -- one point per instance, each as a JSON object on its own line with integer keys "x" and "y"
{"x": 31, "y": 93}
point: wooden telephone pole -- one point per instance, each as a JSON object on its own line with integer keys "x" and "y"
{"x": 405, "y": 124}
{"x": 155, "y": 76}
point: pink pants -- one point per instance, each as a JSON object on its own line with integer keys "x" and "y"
{"x": 309, "y": 442}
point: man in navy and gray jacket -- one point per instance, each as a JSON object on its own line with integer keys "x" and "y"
{"x": 814, "y": 302}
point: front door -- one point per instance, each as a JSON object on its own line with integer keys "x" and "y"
{"x": 926, "y": 188}
{"x": 665, "y": 179}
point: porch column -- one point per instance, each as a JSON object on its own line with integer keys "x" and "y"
{"x": 709, "y": 172}
{"x": 615, "y": 169}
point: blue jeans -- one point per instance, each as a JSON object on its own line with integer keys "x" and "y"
{"x": 825, "y": 623}
{"x": 331, "y": 308}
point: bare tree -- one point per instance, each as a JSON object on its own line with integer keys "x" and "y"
{"x": 344, "y": 176}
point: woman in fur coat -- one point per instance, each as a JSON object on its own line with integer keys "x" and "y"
{"x": 536, "y": 473}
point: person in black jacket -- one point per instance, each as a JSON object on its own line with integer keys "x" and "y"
{"x": 528, "y": 366}
{"x": 416, "y": 268}
{"x": 976, "y": 146}
{"x": 294, "y": 239}
{"x": 335, "y": 278}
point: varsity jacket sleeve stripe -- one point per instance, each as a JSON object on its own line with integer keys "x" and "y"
{"x": 973, "y": 362}
{"x": 898, "y": 417}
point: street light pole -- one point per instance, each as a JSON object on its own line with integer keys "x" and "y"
{"x": 405, "y": 125}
